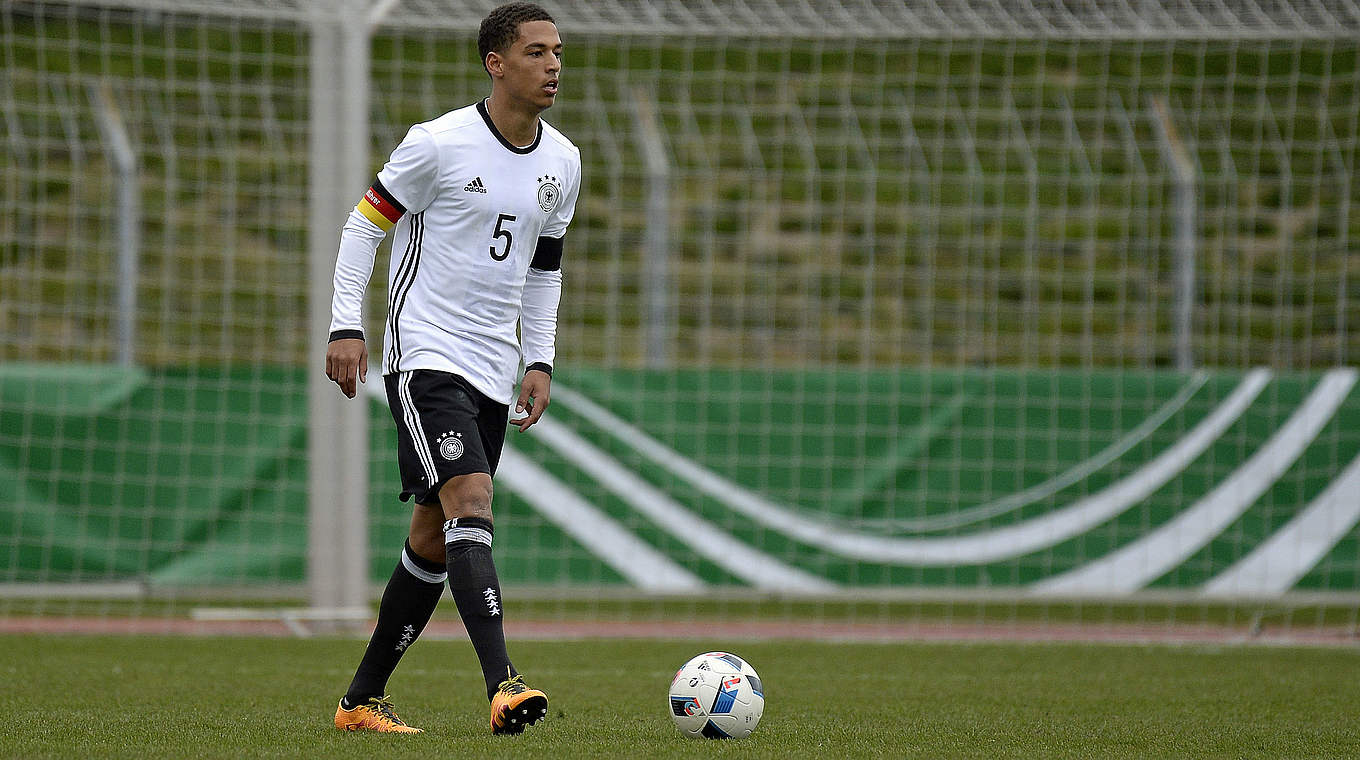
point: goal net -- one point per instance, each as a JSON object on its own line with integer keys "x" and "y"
{"x": 879, "y": 318}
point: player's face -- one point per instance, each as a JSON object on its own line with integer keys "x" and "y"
{"x": 532, "y": 64}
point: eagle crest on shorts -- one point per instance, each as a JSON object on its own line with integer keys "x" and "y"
{"x": 450, "y": 445}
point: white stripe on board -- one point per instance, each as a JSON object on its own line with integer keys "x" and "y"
{"x": 634, "y": 559}
{"x": 707, "y": 540}
{"x": 1278, "y": 563}
{"x": 1078, "y": 472}
{"x": 988, "y": 546}
{"x": 1143, "y": 561}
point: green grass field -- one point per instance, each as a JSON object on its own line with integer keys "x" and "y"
{"x": 149, "y": 697}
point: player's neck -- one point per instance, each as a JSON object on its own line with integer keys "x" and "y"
{"x": 518, "y": 125}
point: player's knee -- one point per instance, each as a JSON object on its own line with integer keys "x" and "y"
{"x": 467, "y": 496}
{"x": 429, "y": 544}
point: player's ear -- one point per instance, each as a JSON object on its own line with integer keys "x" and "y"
{"x": 495, "y": 64}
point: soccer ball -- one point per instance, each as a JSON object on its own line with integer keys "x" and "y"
{"x": 717, "y": 695}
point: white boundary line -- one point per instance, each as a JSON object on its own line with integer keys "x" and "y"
{"x": 1143, "y": 561}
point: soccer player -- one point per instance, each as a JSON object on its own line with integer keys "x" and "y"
{"x": 479, "y": 198}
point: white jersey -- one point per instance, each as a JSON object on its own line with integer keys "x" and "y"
{"x": 469, "y": 209}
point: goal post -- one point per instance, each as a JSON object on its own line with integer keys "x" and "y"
{"x": 338, "y": 431}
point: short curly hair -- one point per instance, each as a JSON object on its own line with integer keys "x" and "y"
{"x": 500, "y": 28}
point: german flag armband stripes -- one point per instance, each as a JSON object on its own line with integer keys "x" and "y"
{"x": 380, "y": 207}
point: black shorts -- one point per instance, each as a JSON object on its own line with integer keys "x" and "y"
{"x": 445, "y": 428}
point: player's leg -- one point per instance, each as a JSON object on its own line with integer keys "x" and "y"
{"x": 456, "y": 434}
{"x": 514, "y": 705}
{"x": 477, "y": 591}
{"x": 412, "y": 592}
{"x": 468, "y": 534}
{"x": 408, "y": 601}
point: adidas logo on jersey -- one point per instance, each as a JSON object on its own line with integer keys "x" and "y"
{"x": 475, "y": 186}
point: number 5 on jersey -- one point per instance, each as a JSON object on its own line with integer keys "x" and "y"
{"x": 502, "y": 218}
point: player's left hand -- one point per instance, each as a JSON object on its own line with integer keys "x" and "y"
{"x": 534, "y": 390}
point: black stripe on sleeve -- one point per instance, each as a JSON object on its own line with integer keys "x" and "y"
{"x": 386, "y": 195}
{"x": 548, "y": 255}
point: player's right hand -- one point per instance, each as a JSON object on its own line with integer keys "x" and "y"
{"x": 346, "y": 361}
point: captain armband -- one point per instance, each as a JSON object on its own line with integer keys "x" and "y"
{"x": 381, "y": 207}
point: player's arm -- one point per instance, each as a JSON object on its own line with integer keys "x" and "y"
{"x": 538, "y": 308}
{"x": 538, "y": 330}
{"x": 409, "y": 173}
{"x": 367, "y": 225}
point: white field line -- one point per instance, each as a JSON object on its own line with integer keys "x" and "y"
{"x": 987, "y": 546}
{"x": 1278, "y": 563}
{"x": 1071, "y": 476}
{"x": 706, "y": 539}
{"x": 630, "y": 556}
{"x": 1143, "y": 561}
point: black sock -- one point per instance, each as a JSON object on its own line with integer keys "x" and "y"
{"x": 477, "y": 592}
{"x": 407, "y": 603}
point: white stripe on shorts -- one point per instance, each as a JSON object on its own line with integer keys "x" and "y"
{"x": 418, "y": 571}
{"x": 413, "y": 426}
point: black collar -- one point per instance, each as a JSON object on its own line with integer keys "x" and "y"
{"x": 486, "y": 117}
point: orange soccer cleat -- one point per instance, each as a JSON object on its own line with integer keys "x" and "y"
{"x": 377, "y": 715}
{"x": 515, "y": 706}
